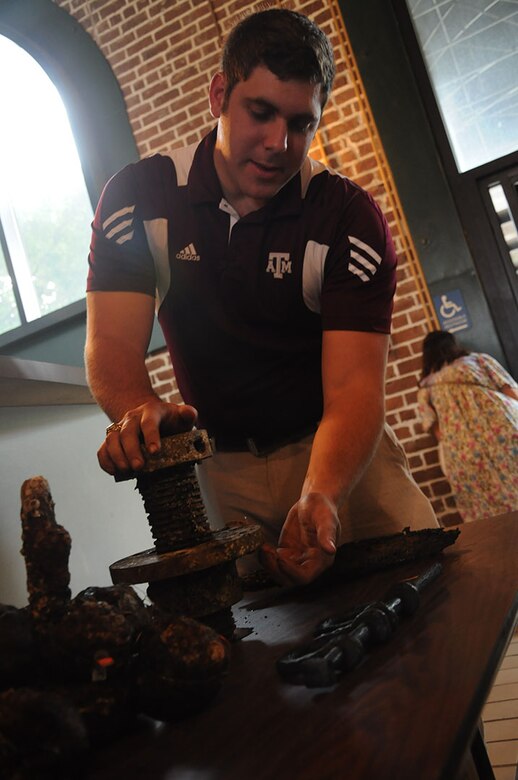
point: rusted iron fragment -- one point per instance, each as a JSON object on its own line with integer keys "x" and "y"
{"x": 174, "y": 507}
{"x": 199, "y": 594}
{"x": 97, "y": 636}
{"x": 180, "y": 669}
{"x": 366, "y": 556}
{"x": 46, "y": 549}
{"x": 78, "y": 671}
{"x": 169, "y": 488}
{"x": 190, "y": 447}
{"x": 191, "y": 568}
{"x": 226, "y": 544}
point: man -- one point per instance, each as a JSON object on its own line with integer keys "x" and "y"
{"x": 274, "y": 280}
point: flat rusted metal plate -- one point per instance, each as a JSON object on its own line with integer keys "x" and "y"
{"x": 189, "y": 447}
{"x": 226, "y": 545}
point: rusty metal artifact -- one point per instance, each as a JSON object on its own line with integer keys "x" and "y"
{"x": 46, "y": 549}
{"x": 365, "y": 556}
{"x": 76, "y": 672}
{"x": 191, "y": 570}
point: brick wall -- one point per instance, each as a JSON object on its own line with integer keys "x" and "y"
{"x": 163, "y": 53}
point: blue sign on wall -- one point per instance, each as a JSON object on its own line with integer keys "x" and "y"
{"x": 452, "y": 312}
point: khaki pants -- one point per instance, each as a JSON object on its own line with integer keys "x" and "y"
{"x": 239, "y": 485}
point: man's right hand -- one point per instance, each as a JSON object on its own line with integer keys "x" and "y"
{"x": 138, "y": 430}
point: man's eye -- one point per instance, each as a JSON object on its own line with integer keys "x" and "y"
{"x": 260, "y": 116}
{"x": 301, "y": 127}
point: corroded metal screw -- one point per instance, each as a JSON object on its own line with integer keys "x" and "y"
{"x": 171, "y": 493}
{"x": 191, "y": 570}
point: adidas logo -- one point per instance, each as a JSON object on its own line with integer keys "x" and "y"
{"x": 188, "y": 253}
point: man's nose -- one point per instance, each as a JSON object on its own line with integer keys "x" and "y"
{"x": 276, "y": 138}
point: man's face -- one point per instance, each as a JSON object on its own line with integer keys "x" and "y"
{"x": 264, "y": 133}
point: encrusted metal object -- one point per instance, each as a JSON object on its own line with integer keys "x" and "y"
{"x": 223, "y": 546}
{"x": 171, "y": 494}
{"x": 76, "y": 672}
{"x": 381, "y": 552}
{"x": 366, "y": 556}
{"x": 189, "y": 447}
{"x": 46, "y": 549}
{"x": 191, "y": 569}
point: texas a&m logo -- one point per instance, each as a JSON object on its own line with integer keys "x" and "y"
{"x": 279, "y": 263}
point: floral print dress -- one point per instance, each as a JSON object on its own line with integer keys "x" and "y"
{"x": 478, "y": 426}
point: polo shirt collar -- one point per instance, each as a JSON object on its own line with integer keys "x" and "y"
{"x": 204, "y": 186}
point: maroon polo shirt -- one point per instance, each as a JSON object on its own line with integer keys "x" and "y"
{"x": 243, "y": 301}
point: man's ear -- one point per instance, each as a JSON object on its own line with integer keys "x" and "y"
{"x": 217, "y": 94}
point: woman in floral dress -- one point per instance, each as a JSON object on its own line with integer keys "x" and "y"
{"x": 470, "y": 403}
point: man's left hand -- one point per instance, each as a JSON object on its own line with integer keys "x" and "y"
{"x": 307, "y": 543}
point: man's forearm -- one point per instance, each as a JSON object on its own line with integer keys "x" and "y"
{"x": 343, "y": 447}
{"x": 353, "y": 379}
{"x": 118, "y": 378}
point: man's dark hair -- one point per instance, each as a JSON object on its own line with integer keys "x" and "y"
{"x": 440, "y": 349}
{"x": 286, "y": 42}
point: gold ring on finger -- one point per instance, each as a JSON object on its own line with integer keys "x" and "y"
{"x": 116, "y": 426}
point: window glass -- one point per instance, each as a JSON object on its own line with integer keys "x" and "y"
{"x": 470, "y": 48}
{"x": 45, "y": 211}
{"x": 9, "y": 317}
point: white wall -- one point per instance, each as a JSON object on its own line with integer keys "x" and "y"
{"x": 105, "y": 519}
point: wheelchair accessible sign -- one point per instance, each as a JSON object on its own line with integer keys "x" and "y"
{"x": 451, "y": 310}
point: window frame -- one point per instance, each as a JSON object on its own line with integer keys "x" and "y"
{"x": 466, "y": 191}
{"x": 83, "y": 78}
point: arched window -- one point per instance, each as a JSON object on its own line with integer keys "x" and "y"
{"x": 64, "y": 133}
{"x": 45, "y": 210}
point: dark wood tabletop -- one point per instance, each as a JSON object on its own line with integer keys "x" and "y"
{"x": 408, "y": 712}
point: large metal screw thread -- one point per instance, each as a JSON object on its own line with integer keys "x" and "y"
{"x": 191, "y": 570}
{"x": 174, "y": 507}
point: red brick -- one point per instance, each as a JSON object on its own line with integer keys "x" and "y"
{"x": 400, "y": 384}
{"x": 140, "y": 45}
{"x": 153, "y": 363}
{"x": 178, "y": 10}
{"x": 431, "y": 457}
{"x": 139, "y": 20}
{"x": 126, "y": 66}
{"x": 412, "y": 365}
{"x": 441, "y": 488}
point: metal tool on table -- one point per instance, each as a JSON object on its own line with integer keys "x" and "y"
{"x": 340, "y": 644}
{"x": 192, "y": 570}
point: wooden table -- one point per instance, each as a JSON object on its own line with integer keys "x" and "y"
{"x": 409, "y": 712}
